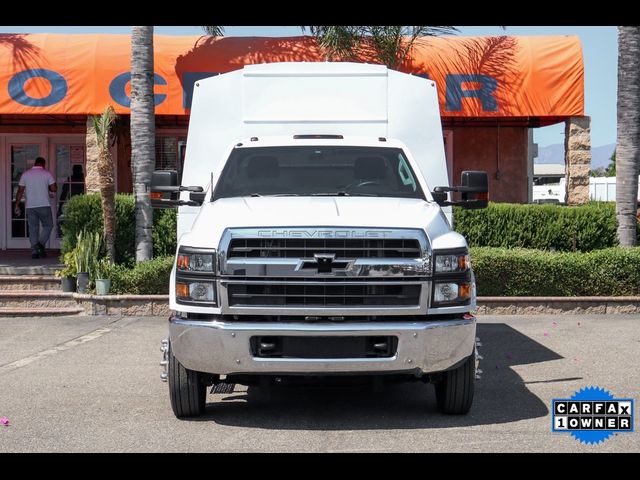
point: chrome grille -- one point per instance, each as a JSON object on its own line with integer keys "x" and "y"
{"x": 307, "y": 247}
{"x": 276, "y": 271}
{"x": 321, "y": 293}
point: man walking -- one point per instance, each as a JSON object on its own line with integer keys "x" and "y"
{"x": 39, "y": 185}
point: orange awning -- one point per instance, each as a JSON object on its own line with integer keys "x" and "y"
{"x": 478, "y": 77}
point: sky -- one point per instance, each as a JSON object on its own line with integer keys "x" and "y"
{"x": 599, "y": 44}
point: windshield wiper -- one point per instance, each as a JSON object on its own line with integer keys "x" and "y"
{"x": 342, "y": 194}
{"x": 330, "y": 194}
{"x": 274, "y": 195}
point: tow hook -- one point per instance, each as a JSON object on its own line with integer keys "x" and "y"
{"x": 164, "y": 348}
{"x": 478, "y": 358}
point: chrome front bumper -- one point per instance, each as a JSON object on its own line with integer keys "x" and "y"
{"x": 223, "y": 347}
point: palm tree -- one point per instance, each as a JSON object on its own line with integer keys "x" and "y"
{"x": 628, "y": 137}
{"x": 102, "y": 125}
{"x": 143, "y": 136}
{"x": 391, "y": 45}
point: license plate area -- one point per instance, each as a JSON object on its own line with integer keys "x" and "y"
{"x": 323, "y": 347}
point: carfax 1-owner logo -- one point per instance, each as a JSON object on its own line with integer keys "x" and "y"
{"x": 592, "y": 415}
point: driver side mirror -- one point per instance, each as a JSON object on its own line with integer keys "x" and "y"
{"x": 474, "y": 189}
{"x": 165, "y": 191}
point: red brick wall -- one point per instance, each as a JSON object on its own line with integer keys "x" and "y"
{"x": 477, "y": 148}
{"x": 125, "y": 176}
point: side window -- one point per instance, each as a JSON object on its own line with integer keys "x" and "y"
{"x": 405, "y": 173}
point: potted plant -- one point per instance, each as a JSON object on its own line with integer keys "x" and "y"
{"x": 68, "y": 273}
{"x": 103, "y": 276}
{"x": 85, "y": 253}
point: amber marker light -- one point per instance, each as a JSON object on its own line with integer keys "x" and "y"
{"x": 155, "y": 195}
{"x": 182, "y": 290}
{"x": 464, "y": 290}
{"x": 183, "y": 262}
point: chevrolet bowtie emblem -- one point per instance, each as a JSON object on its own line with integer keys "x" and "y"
{"x": 324, "y": 263}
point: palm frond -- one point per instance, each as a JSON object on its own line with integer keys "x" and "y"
{"x": 214, "y": 30}
{"x": 390, "y": 45}
{"x": 102, "y": 125}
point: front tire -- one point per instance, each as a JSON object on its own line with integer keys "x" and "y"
{"x": 187, "y": 391}
{"x": 454, "y": 392}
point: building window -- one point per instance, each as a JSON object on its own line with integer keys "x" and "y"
{"x": 170, "y": 152}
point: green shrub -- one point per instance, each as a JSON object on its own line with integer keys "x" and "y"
{"x": 145, "y": 278}
{"x": 84, "y": 212}
{"x": 164, "y": 232}
{"x": 522, "y": 272}
{"x": 546, "y": 227}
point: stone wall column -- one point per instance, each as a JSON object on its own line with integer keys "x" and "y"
{"x": 577, "y": 159}
{"x": 92, "y": 177}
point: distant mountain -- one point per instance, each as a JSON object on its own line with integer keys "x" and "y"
{"x": 555, "y": 154}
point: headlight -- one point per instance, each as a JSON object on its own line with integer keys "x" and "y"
{"x": 195, "y": 291}
{"x": 451, "y": 262}
{"x": 196, "y": 262}
{"x": 447, "y": 293}
{"x": 195, "y": 282}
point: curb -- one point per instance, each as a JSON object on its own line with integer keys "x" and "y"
{"x": 557, "y": 305}
{"x": 123, "y": 305}
{"x": 152, "y": 305}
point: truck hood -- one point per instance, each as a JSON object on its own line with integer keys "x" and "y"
{"x": 215, "y": 217}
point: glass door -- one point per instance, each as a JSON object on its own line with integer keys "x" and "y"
{"x": 70, "y": 176}
{"x": 21, "y": 157}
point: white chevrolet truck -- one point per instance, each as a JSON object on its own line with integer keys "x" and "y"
{"x": 315, "y": 235}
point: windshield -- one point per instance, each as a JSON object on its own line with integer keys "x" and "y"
{"x": 318, "y": 170}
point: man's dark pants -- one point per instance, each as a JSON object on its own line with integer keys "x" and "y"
{"x": 34, "y": 217}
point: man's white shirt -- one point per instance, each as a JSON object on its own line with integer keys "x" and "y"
{"x": 36, "y": 181}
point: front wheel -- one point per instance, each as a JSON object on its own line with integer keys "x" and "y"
{"x": 187, "y": 391}
{"x": 454, "y": 391}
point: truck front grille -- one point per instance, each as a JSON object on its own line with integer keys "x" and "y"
{"x": 306, "y": 248}
{"x": 323, "y": 294}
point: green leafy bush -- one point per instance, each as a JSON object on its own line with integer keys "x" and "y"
{"x": 546, "y": 227}
{"x": 70, "y": 268}
{"x": 83, "y": 212}
{"x": 523, "y": 272}
{"x": 145, "y": 278}
{"x": 164, "y": 232}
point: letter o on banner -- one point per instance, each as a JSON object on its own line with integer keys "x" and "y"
{"x": 58, "y": 87}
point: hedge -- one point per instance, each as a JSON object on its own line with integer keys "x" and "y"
{"x": 546, "y": 227}
{"x": 523, "y": 272}
{"x": 85, "y": 212}
{"x": 145, "y": 278}
{"x": 498, "y": 272}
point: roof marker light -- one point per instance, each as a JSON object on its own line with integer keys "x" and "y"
{"x": 311, "y": 137}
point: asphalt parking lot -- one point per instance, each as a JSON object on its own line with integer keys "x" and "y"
{"x": 92, "y": 384}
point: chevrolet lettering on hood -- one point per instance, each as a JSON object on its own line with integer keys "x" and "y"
{"x": 324, "y": 233}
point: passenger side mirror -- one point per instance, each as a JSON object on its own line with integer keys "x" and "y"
{"x": 165, "y": 191}
{"x": 474, "y": 189}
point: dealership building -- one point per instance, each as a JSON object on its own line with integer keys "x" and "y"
{"x": 493, "y": 91}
